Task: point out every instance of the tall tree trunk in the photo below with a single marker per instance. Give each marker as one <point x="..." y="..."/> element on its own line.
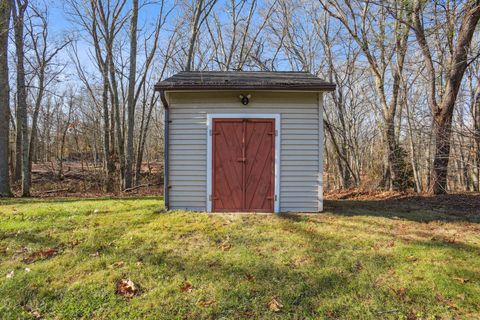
<point x="477" y="139"/>
<point x="64" y="137"/>
<point x="36" y="111"/>
<point x="143" y="138"/>
<point x="108" y="154"/>
<point x="4" y="100"/>
<point x="131" y="96"/>
<point x="18" y="18"/>
<point x="117" y="127"/>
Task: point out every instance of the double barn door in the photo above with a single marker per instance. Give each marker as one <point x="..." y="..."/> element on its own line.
<point x="243" y="165"/>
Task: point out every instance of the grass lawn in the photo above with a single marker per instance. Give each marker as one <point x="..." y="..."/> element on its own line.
<point x="63" y="258"/>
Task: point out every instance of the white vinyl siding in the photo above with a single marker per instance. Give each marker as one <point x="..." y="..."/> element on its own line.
<point x="300" y="158"/>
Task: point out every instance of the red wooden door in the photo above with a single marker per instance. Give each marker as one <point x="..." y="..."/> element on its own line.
<point x="243" y="164"/>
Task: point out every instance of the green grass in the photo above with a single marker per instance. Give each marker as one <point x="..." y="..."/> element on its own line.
<point x="344" y="264"/>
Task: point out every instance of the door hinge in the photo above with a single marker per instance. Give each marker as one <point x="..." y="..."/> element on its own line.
<point x="276" y="198"/>
<point x="276" y="133"/>
<point x="211" y="133"/>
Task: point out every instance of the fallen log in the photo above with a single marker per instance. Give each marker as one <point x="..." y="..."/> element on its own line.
<point x="53" y="191"/>
<point x="141" y="186"/>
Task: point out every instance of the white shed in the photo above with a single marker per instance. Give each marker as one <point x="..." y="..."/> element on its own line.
<point x="244" y="141"/>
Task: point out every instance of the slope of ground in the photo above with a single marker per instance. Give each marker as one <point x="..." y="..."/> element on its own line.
<point x="385" y="259"/>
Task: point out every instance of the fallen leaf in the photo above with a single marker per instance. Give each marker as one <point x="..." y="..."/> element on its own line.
<point x="250" y="277"/>
<point x="460" y="279"/>
<point x="96" y="211"/>
<point x="27" y="270"/>
<point x="74" y="243"/>
<point x="401" y="293"/>
<point x="412" y="258"/>
<point x="126" y="288"/>
<point x="330" y="314"/>
<point x="275" y="305"/>
<point x="225" y="246"/>
<point x="412" y="316"/>
<point x="36" y="314"/>
<point x="95" y="254"/>
<point x="358" y="266"/>
<point x="300" y="261"/>
<point x="10" y="274"/>
<point x="186" y="286"/>
<point x="206" y="303"/>
<point x="119" y="264"/>
<point x="40" y="255"/>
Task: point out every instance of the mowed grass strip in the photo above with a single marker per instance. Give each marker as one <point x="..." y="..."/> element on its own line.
<point x="63" y="259"/>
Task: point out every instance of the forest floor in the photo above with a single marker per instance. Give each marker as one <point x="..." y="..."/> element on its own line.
<point x="86" y="180"/>
<point x="125" y="258"/>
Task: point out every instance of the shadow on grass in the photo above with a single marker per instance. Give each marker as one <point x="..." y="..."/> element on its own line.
<point x="419" y="209"/>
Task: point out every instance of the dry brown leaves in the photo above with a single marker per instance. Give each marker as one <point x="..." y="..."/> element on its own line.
<point x="41" y="255"/>
<point x="36" y="314"/>
<point x="460" y="279"/>
<point x="250" y="277"/>
<point x="118" y="264"/>
<point x="275" y="305"/>
<point x="126" y="288"/>
<point x="411" y="258"/>
<point x="225" y="244"/>
<point x="186" y="286"/>
<point x="448" y="302"/>
<point x="383" y="244"/>
<point x="207" y="303"/>
<point x="401" y="293"/>
<point x="300" y="261"/>
<point x="411" y="316"/>
<point x="358" y="194"/>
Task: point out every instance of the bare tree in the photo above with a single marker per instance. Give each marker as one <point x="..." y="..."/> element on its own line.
<point x="4" y="100"/>
<point x="43" y="56"/>
<point x="201" y="11"/>
<point x="384" y="50"/>
<point x="18" y="8"/>
<point x="131" y="95"/>
<point x="457" y="63"/>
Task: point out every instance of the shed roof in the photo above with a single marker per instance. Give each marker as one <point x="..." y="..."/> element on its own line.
<point x="244" y="80"/>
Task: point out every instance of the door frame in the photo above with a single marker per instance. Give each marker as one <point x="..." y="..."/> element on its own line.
<point x="273" y="116"/>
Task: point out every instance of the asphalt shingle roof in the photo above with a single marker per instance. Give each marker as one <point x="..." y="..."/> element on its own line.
<point x="244" y="80"/>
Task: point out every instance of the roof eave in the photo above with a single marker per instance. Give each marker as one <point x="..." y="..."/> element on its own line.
<point x="162" y="87"/>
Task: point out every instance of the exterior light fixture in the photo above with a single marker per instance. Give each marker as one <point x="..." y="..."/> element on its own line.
<point x="245" y="98"/>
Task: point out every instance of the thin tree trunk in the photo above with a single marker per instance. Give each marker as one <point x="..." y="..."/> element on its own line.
<point x="143" y="138"/>
<point x="33" y="134"/>
<point x="194" y="34"/>
<point x="4" y="101"/>
<point x="131" y="96"/>
<point x="64" y="136"/>
<point x="22" y="124"/>
<point x="109" y="165"/>
<point x="477" y="139"/>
